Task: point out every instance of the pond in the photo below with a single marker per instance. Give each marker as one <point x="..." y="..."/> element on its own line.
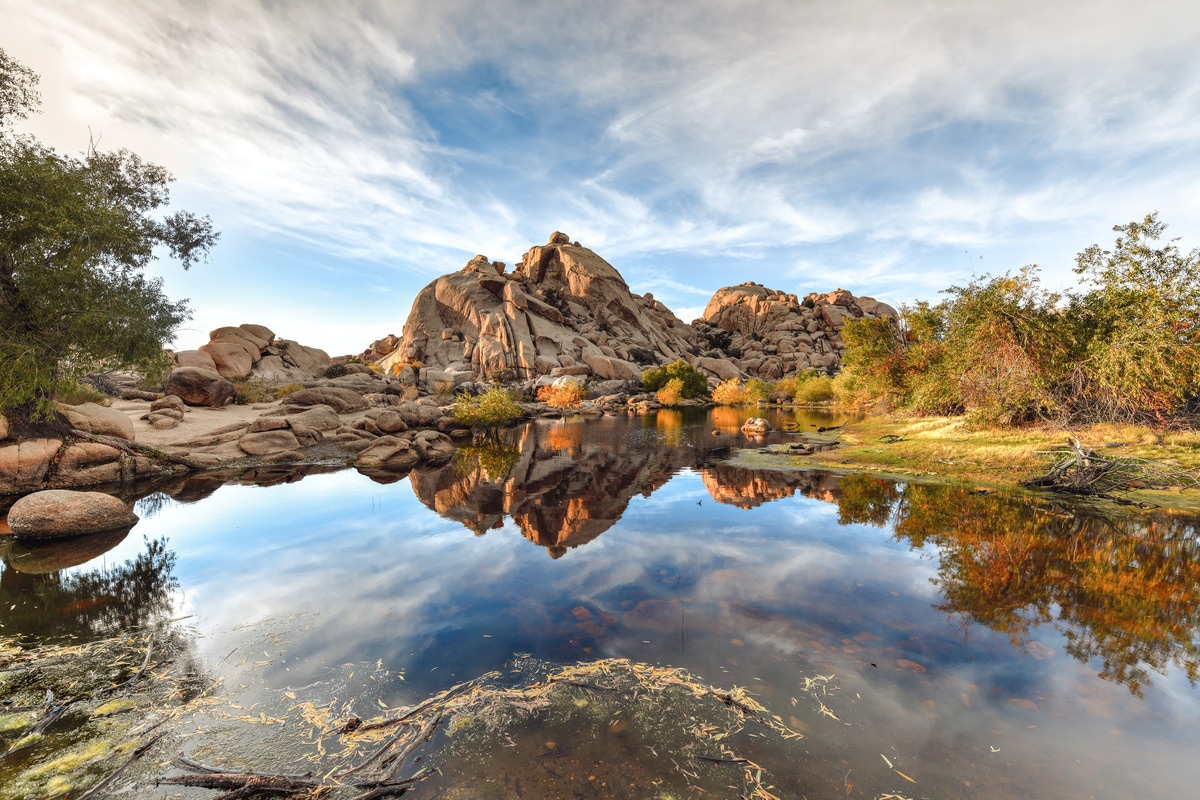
<point x="905" y="640"/>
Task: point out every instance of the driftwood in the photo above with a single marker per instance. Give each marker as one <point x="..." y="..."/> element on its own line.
<point x="1080" y="470"/>
<point x="135" y="449"/>
<point x="377" y="777"/>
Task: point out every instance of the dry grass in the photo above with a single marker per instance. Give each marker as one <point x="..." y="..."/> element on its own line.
<point x="947" y="447"/>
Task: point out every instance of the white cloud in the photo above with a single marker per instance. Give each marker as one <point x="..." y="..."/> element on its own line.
<point x="417" y="134"/>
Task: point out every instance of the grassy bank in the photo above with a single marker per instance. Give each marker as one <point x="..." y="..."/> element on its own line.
<point x="946" y="448"/>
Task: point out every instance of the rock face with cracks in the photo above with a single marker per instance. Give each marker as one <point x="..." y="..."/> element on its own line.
<point x="563" y="310"/>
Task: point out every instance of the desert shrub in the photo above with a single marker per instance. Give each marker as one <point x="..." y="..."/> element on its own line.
<point x="443" y="388"/>
<point x="815" y="390"/>
<point x="694" y="383"/>
<point x="568" y="394"/>
<point x="335" y="371"/>
<point x="288" y="388"/>
<point x="671" y="393"/>
<point x="729" y="393"/>
<point x="491" y="409"/>
<point x="642" y="355"/>
<point x="410" y="393"/>
<point x="247" y="391"/>
<point x="74" y="394"/>
<point x="756" y="389"/>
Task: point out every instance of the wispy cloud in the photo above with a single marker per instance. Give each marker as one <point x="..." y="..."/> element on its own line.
<point x="836" y="134"/>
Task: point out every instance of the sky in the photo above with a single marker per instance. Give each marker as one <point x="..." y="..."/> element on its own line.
<point x="351" y="152"/>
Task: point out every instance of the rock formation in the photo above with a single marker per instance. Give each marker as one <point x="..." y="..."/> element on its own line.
<point x="252" y="351"/>
<point x="563" y="311"/>
<point x="566" y="311"/>
<point x="770" y="334"/>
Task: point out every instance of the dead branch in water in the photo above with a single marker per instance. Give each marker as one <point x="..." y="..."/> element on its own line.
<point x="1080" y="470"/>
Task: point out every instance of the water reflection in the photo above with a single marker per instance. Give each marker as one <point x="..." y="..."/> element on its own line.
<point x="1124" y="590"/>
<point x="40" y="598"/>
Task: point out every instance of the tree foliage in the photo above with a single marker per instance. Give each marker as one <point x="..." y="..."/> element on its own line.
<point x="1124" y="347"/>
<point x="694" y="382"/>
<point x="76" y="235"/>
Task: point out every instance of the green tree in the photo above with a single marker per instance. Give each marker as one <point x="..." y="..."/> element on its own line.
<point x="76" y="234"/>
<point x="1138" y="327"/>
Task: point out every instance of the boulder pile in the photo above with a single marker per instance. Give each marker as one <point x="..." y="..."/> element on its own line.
<point x="770" y="334"/>
<point x="566" y="311"/>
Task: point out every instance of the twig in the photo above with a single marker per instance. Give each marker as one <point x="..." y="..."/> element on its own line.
<point x="138" y="675"/>
<point x="134" y="756"/>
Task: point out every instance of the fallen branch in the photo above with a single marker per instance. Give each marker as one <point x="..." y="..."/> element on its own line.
<point x="1080" y="470"/>
<point x="135" y="449"/>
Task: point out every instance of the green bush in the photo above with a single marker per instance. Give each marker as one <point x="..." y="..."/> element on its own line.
<point x="694" y="383"/>
<point x="493" y="409"/>
<point x="815" y="390"/>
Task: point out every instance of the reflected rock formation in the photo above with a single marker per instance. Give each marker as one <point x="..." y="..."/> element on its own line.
<point x="565" y="483"/>
<point x="750" y="488"/>
<point x="564" y="487"/>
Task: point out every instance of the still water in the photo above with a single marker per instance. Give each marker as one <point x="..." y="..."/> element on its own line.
<point x="929" y="641"/>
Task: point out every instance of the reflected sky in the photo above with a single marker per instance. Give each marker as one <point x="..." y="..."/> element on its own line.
<point x="359" y="572"/>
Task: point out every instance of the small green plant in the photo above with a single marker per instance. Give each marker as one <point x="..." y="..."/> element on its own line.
<point x="492" y="409"/>
<point x="756" y="389"/>
<point x="336" y="371"/>
<point x="73" y="394"/>
<point x="694" y="383"/>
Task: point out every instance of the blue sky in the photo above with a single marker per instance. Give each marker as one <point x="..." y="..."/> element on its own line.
<point x="352" y="152"/>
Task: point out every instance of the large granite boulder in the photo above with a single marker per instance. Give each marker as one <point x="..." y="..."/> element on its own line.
<point x="286" y="361"/>
<point x="56" y="513"/>
<point x="563" y="306"/>
<point x="199" y="387"/>
<point x="235" y="351"/>
<point x="97" y="419"/>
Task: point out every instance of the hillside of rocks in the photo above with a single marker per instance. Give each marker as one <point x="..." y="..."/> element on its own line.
<point x="771" y="334"/>
<point x="564" y="310"/>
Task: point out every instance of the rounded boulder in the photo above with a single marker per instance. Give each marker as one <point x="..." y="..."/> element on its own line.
<point x="57" y="513"/>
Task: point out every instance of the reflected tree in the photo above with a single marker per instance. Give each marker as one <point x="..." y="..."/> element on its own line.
<point x="90" y="603"/>
<point x="1124" y="591"/>
<point x="866" y="500"/>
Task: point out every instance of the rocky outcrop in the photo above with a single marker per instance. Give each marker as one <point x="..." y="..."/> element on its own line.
<point x="57" y="513"/>
<point x="252" y="351"/>
<point x="771" y="334"/>
<point x="566" y="311"/>
<point x="563" y="310"/>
